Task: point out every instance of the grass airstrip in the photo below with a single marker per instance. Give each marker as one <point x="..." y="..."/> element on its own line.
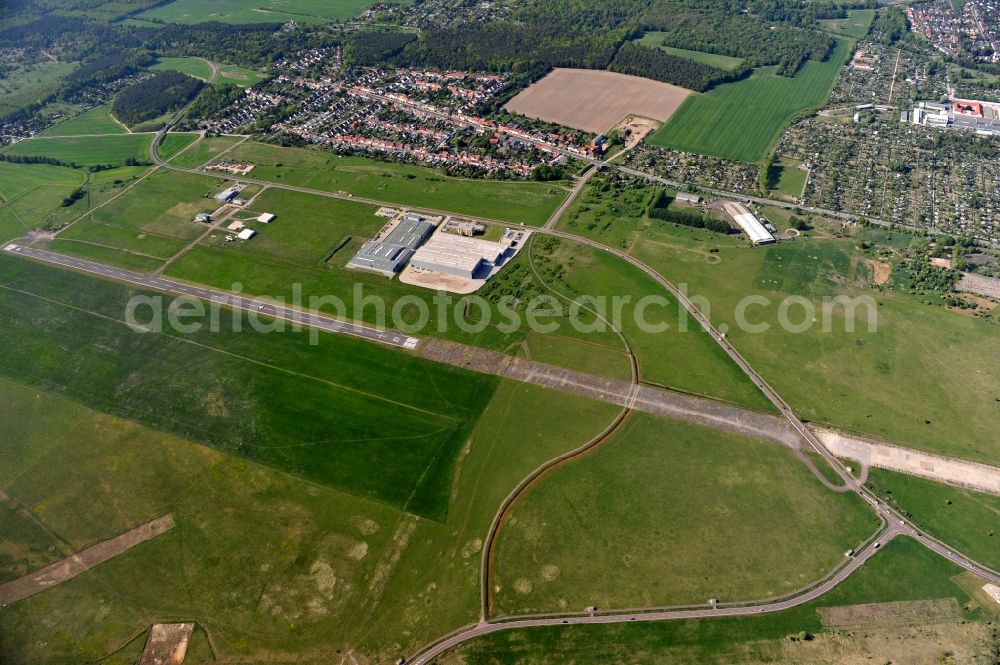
<point x="742" y="120"/>
<point x="322" y="412"/>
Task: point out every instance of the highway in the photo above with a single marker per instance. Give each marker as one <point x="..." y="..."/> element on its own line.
<point x="256" y="306"/>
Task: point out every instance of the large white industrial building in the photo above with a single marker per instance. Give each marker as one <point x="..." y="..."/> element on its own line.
<point x="458" y="255"/>
<point x="749" y="223"/>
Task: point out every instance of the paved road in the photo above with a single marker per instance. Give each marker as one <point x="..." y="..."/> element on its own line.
<point x="568" y="201"/>
<point x="253" y="305"/>
<point x="708" y="612"/>
<point x="897" y="524"/>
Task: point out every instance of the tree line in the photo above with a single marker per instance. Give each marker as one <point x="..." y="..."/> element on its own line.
<point x="653" y="63"/>
<point x="659" y="209"/>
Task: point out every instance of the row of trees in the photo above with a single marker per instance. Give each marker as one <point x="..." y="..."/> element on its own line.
<point x="659" y="209"/>
<point x="659" y="65"/>
<point x="152" y="97"/>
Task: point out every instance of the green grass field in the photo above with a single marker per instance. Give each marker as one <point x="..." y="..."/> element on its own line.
<point x="97" y="120"/>
<point x="307" y="227"/>
<point x="174" y="142"/>
<point x="612" y="217"/>
<point x="284" y="565"/>
<point x="154" y="218"/>
<point x="239" y="76"/>
<point x="926" y="377"/>
<point x="278" y="558"/>
<point x="656" y="40"/>
<point x="30" y="195"/>
<point x="196" y="67"/>
<point x="672" y="514"/>
<point x="966" y="520"/>
<point x="26" y="77"/>
<point x="205" y="150"/>
<point x="342" y="413"/>
<point x="517" y="202"/>
<point x="742" y="120"/>
<point x="686" y="360"/>
<point x="903" y="571"/>
<point x="791" y="178"/>
<point x="18" y="179"/>
<point x="856" y="24"/>
<point x="257" y="11"/>
<point x="86" y="151"/>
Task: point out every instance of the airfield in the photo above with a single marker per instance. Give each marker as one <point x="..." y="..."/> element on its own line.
<point x="443" y="494"/>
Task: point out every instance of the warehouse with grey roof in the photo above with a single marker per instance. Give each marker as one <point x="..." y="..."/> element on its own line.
<point x="389" y="251"/>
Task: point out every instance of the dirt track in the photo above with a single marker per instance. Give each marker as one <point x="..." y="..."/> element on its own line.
<point x="70" y="567"/>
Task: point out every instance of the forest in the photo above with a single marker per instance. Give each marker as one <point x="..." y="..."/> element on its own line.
<point x="151" y="98"/>
<point x="575" y="33"/>
<point x="661" y="66"/>
<point x="370" y="48"/>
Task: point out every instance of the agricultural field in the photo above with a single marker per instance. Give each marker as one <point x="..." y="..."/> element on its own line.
<point x="257" y="11"/>
<point x="595" y="100"/>
<point x="18" y="179"/>
<point x="529" y="203"/>
<point x="903" y="572"/>
<point x="856" y="25"/>
<point x="207" y="149"/>
<point x="888" y="383"/>
<point x="742" y="120"/>
<point x="657" y="39"/>
<point x="84" y="151"/>
<point x="31" y="193"/>
<point x="97" y="120"/>
<point x="969" y="521"/>
<point x="331" y="412"/>
<point x="196" y="67"/>
<point x="732" y="543"/>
